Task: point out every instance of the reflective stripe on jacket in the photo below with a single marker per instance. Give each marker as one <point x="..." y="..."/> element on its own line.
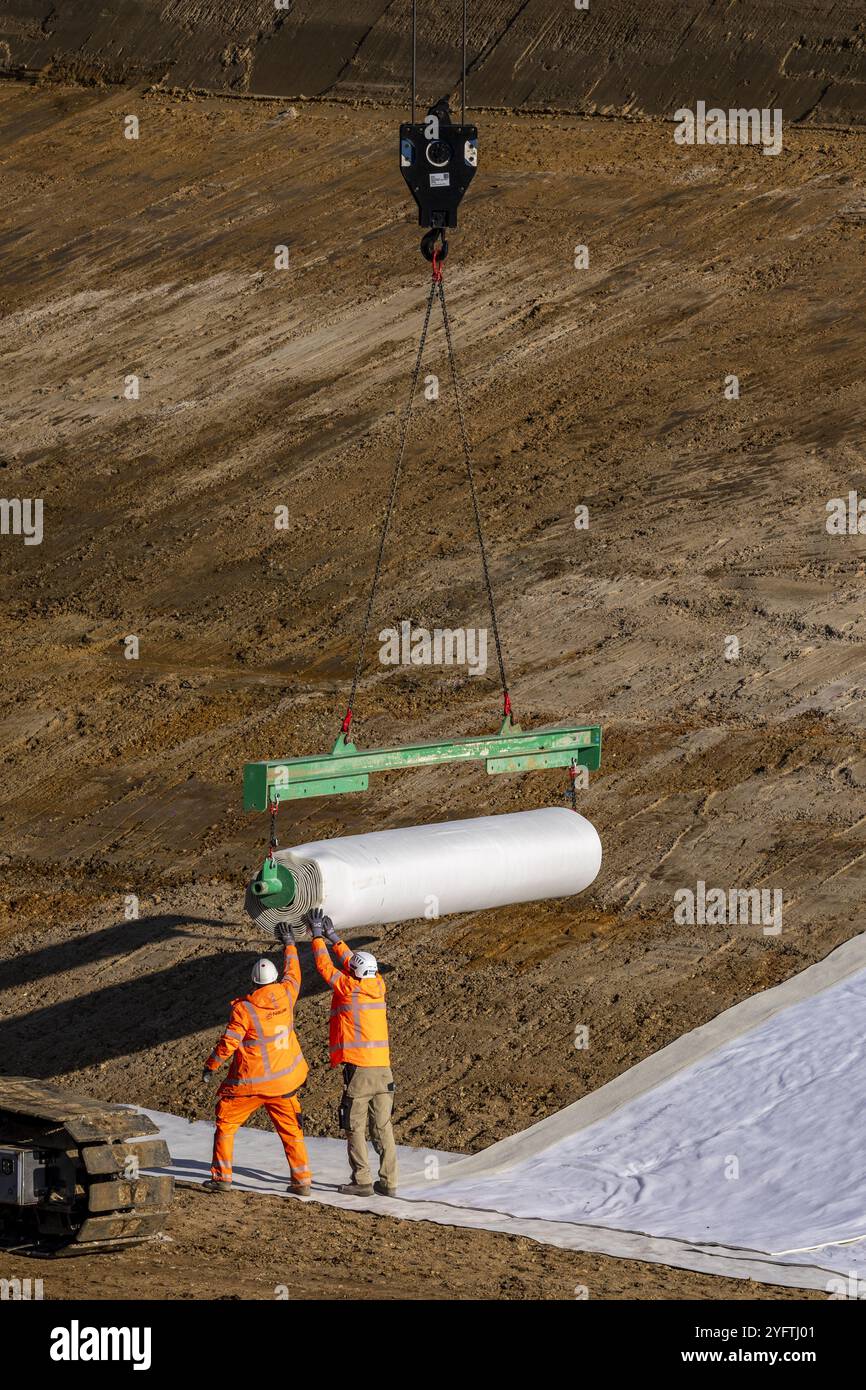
<point x="358" y="1030"/>
<point x="260" y="1039"/>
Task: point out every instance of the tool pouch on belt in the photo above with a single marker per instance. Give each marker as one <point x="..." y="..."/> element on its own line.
<point x="343" y="1112"/>
<point x="345" y="1105"/>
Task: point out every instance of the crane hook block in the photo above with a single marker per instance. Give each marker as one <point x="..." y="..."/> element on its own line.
<point x="438" y="160"/>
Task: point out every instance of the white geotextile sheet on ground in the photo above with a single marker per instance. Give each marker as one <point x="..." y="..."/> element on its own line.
<point x="259" y="1162"/>
<point x="773" y="1090"/>
<point x="761" y="1145"/>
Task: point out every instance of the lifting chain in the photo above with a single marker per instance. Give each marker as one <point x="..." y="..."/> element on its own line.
<point x="437" y="291"/>
<point x="273" y="843"/>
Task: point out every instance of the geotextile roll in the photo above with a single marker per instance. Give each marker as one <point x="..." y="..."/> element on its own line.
<point x="432" y="870"/>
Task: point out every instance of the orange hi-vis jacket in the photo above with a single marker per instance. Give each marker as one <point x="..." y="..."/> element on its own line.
<point x="359" y="1020"/>
<point x="260" y="1038"/>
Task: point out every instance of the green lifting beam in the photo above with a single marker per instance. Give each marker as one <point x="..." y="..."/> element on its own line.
<point x="347" y="768"/>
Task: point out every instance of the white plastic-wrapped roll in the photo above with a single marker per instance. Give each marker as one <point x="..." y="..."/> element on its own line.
<point x="432" y="870"/>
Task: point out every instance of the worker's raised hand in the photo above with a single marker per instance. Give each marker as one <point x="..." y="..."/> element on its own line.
<point x="284" y="933"/>
<point x="320" y="925"/>
<point x="316" y="923"/>
<point x="331" y="932"/>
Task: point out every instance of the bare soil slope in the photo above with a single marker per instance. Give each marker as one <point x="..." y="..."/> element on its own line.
<point x="263" y="388"/>
<point x="636" y="56"/>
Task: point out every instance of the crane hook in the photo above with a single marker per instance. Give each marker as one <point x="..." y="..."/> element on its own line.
<point x="428" y="245"/>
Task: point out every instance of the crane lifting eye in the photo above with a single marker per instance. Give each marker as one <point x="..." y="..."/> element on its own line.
<point x="438" y="157"/>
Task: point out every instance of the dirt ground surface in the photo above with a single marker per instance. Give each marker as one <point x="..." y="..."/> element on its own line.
<point x="303" y="1252"/>
<point x="263" y="388"/>
<point x="612" y="57"/>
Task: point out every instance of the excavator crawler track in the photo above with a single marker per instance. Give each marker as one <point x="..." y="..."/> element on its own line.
<point x="72" y="1177"/>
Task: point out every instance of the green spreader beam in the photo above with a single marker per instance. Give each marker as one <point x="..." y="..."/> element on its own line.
<point x="347" y="768"/>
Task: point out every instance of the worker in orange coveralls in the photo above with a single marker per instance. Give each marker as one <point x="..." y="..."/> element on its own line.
<point x="267" y="1068"/>
<point x="359" y="1043"/>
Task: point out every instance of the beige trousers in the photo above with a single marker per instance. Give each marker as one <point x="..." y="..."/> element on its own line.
<point x="368" y="1097"/>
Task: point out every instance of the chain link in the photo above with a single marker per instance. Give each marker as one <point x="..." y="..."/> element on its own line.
<point x="471" y="476"/>
<point x="407" y="416"/>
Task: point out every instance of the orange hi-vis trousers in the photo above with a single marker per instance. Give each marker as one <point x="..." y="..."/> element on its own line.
<point x="284" y="1113"/>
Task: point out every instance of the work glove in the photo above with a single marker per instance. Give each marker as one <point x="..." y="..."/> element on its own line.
<point x="210" y="1079"/>
<point x="284" y="933"/>
<point x="320" y="925"/>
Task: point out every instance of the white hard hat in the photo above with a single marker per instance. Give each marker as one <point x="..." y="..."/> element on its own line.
<point x="264" y="972"/>
<point x="363" y="965"/>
